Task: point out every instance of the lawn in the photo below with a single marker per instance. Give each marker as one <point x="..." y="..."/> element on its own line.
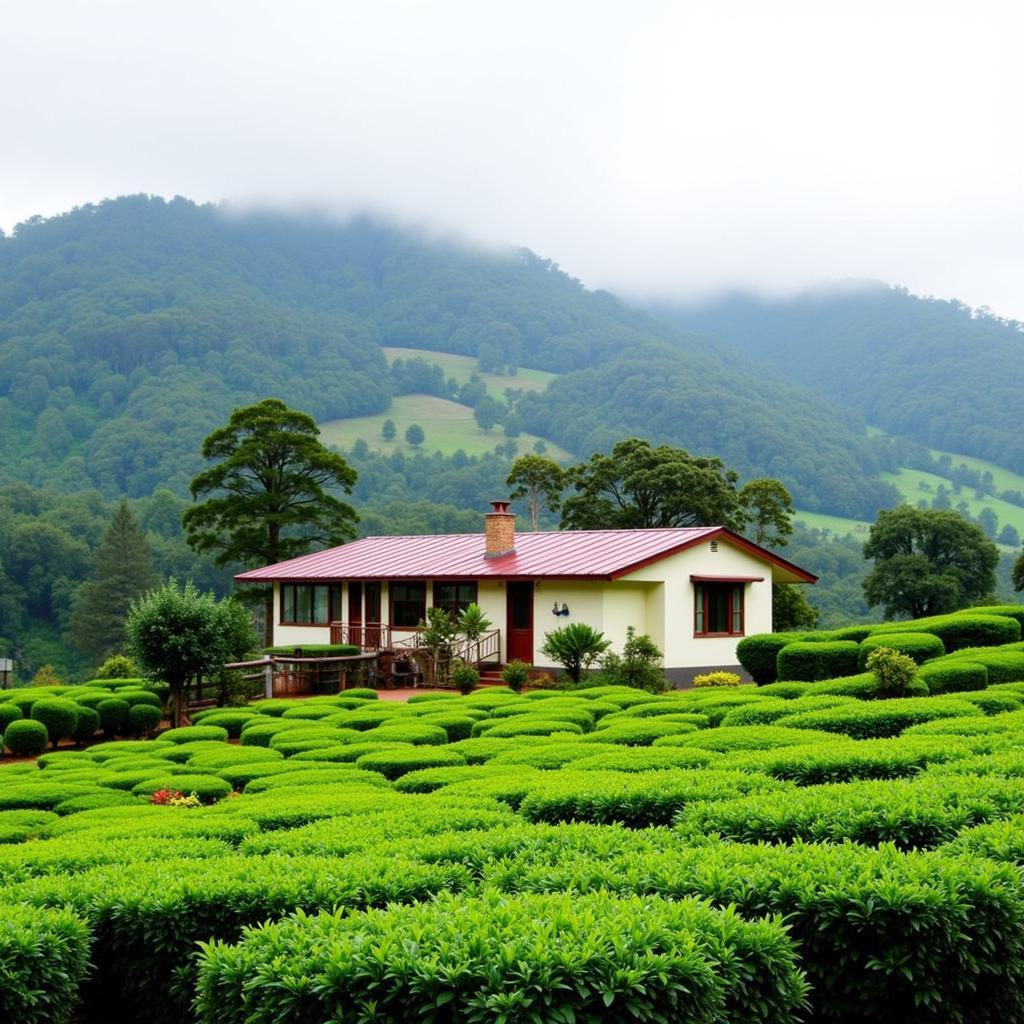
<point x="448" y="426"/>
<point x="837" y="525"/>
<point x="461" y="368"/>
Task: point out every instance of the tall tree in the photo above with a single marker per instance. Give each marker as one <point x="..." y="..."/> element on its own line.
<point x="122" y="570"/>
<point x="176" y="634"/>
<point x="269" y="491"/>
<point x="639" y="486"/>
<point x="540" y="481"/>
<point x="927" y="562"/>
<point x="769" y="509"/>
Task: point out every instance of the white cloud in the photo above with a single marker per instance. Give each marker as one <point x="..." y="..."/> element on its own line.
<point x="651" y="148"/>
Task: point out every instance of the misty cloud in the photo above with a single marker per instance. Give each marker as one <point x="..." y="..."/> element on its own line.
<point x="652" y="148"/>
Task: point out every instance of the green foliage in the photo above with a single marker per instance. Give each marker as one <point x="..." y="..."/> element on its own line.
<point x="927" y="562"/>
<point x="117" y="666"/>
<point x="639" y="665"/>
<point x="189" y="733"/>
<point x="176" y="634"/>
<point x="87" y="725"/>
<point x="575" y="647"/>
<point x="790" y="608"/>
<point x="515" y="675"/>
<point x="540" y="481"/>
<point x="113" y="714"/>
<point x="472" y="622"/>
<point x="143" y="719"/>
<point x="893" y="670"/>
<point x="769" y="511"/>
<point x="961" y="674"/>
<point x="464" y="677"/>
<point x="618" y="958"/>
<point x="26" y="737"/>
<point x="392" y="764"/>
<point x="758" y="654"/>
<point x="878" y="719"/>
<point x="716" y="679"/>
<point x="640" y="486"/>
<point x="919" y="646"/>
<point x="44" y="958"/>
<point x="59" y="715"/>
<point x="414" y="435"/>
<point x="822" y="660"/>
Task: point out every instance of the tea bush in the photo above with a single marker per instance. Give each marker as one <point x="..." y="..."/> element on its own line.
<point x="878" y="719"/>
<point x="394" y="763"/>
<point x="758" y="654"/>
<point x="919" y="646"/>
<point x="813" y="661"/>
<point x="26" y="737"/>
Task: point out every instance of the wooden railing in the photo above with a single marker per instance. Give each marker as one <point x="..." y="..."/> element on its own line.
<point x="486" y="648"/>
<point x="367" y="636"/>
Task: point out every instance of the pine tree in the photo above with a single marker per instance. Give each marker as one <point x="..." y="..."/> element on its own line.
<point x="122" y="570"/>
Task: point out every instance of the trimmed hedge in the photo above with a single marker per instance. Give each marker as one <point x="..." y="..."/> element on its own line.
<point x="758" y="654"/>
<point x="209" y="788"/>
<point x="919" y="646"/>
<point x="959" y="629"/>
<point x="878" y="719"/>
<point x="44" y="958"/>
<point x="393" y="764"/>
<point x="113" y="714"/>
<point x="955" y="674"/>
<point x="813" y="661"/>
<point x="191" y="733"/>
<point x="143" y="719"/>
<point x="59" y="715"/>
<point x="540" y="958"/>
<point x="26" y="737"/>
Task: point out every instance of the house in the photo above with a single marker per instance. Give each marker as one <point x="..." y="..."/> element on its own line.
<point x="694" y="590"/>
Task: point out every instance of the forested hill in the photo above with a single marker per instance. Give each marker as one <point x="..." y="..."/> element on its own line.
<point x="932" y="370"/>
<point x="129" y="329"/>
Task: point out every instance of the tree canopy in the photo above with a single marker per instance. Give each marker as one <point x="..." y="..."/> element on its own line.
<point x="270" y="490"/>
<point x="538" y="479"/>
<point x="770" y="511"/>
<point x="638" y="485"/>
<point x="927" y="562"/>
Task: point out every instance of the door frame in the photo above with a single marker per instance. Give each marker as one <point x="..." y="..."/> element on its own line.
<point x="523" y="637"/>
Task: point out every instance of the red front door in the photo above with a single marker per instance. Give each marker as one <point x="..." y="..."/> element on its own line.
<point x="519" y="627"/>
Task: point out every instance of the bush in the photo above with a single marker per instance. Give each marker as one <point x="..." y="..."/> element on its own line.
<point x="143" y="719"/>
<point x="209" y="788"/>
<point x="9" y="712"/>
<point x="787" y="691"/>
<point x="758" y="654"/>
<point x="919" y="646"/>
<point x="87" y="726"/>
<point x="863" y="686"/>
<point x="26" y="737"/>
<point x="812" y="661"/>
<point x="878" y="719"/>
<point x="140" y="697"/>
<point x="639" y="666"/>
<point x="464" y="677"/>
<point x="191" y="733"/>
<point x="458" y="727"/>
<point x="392" y="764"/>
<point x="418" y="732"/>
<point x="750" y="737"/>
<point x="617" y="958"/>
<point x="945" y="676"/>
<point x="530" y="725"/>
<point x="894" y="671"/>
<point x="575" y="647"/>
<point x="515" y="674"/>
<point x="717" y="679"/>
<point x="44" y="958"/>
<point x="59" y="715"/>
<point x="960" y="629"/>
<point x="113" y="714"/>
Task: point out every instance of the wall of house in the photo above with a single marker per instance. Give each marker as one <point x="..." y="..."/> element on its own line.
<point x="682" y="649"/>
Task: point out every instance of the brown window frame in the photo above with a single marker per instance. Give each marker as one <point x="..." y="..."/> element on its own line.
<point x="454" y="607"/>
<point x="332" y="612"/>
<point x="701" y="608"/>
<point x="393" y="603"/>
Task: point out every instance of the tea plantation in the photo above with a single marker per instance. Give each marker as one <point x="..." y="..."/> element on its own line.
<point x="804" y="850"/>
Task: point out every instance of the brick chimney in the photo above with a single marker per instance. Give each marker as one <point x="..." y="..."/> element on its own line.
<point x="499" y="530"/>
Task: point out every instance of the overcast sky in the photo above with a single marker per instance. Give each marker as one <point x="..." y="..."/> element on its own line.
<point x="649" y="148"/>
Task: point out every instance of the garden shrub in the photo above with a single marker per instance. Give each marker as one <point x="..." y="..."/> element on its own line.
<point x="113" y="714"/>
<point x="345" y="752"/>
<point x="126" y="748"/>
<point x="658" y="709"/>
<point x="136" y="697"/>
<point x="457" y="727"/>
<point x="258" y="734"/>
<point x="59" y="715"/>
<point x="1013" y="611"/>
<point x="771" y="709"/>
<point x="959" y="629"/>
<point x="813" y="661"/>
<point x="17" y="826"/>
<point x="638" y="759"/>
<point x="9" y="712"/>
<point x="213" y="760"/>
<point x="329" y="775"/>
<point x="884" y="936"/>
<point x="289" y="744"/>
<point x="989" y="702"/>
<point x="787" y="690"/>
<point x="418" y="732"/>
<point x="515" y="675"/>
<point x="241" y="774"/>
<point x="1003" y="664"/>
<point x="894" y="671"/>
<point x="878" y="719"/>
<point x="554" y="753"/>
<point x="44" y="958"/>
<point x="480" y="749"/>
<point x="944" y="676"/>
<point x="394" y="763"/>
<point x="107" y="798"/>
<point x="181" y="752"/>
<point x="617" y="958"/>
<point x="640" y="732"/>
<point x="752" y="737"/>
<point x="26" y="737"/>
<point x="465" y="678"/>
<point x="143" y="719"/>
<point x="362" y="692"/>
<point x="529" y="725"/>
<point x="758" y="654"/>
<point x="637" y="800"/>
<point x="717" y="679"/>
<point x="919" y="646"/>
<point x="190" y="733"/>
<point x="310" y="711"/>
<point x="863" y="686"/>
<point x="87" y="725"/>
<point x="429" y="780"/>
<point x="916" y="813"/>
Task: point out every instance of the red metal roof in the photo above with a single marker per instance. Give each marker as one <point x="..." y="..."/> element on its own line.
<point x="573" y="554"/>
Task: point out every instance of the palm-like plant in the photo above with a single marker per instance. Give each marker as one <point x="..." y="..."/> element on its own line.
<point x="575" y="647"/>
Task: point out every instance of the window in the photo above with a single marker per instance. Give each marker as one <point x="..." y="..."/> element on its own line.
<point x="718" y="609"/>
<point x="408" y="604"/>
<point x="306" y="604"/>
<point x="454" y="597"/>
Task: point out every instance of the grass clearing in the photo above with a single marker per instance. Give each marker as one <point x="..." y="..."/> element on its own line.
<point x="461" y="368"/>
<point x="447" y="425"/>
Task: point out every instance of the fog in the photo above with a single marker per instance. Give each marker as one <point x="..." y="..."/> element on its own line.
<point x="655" y="149"/>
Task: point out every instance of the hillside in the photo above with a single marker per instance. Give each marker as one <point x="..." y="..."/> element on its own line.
<point x="129" y="329"/>
<point x="935" y="371"/>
